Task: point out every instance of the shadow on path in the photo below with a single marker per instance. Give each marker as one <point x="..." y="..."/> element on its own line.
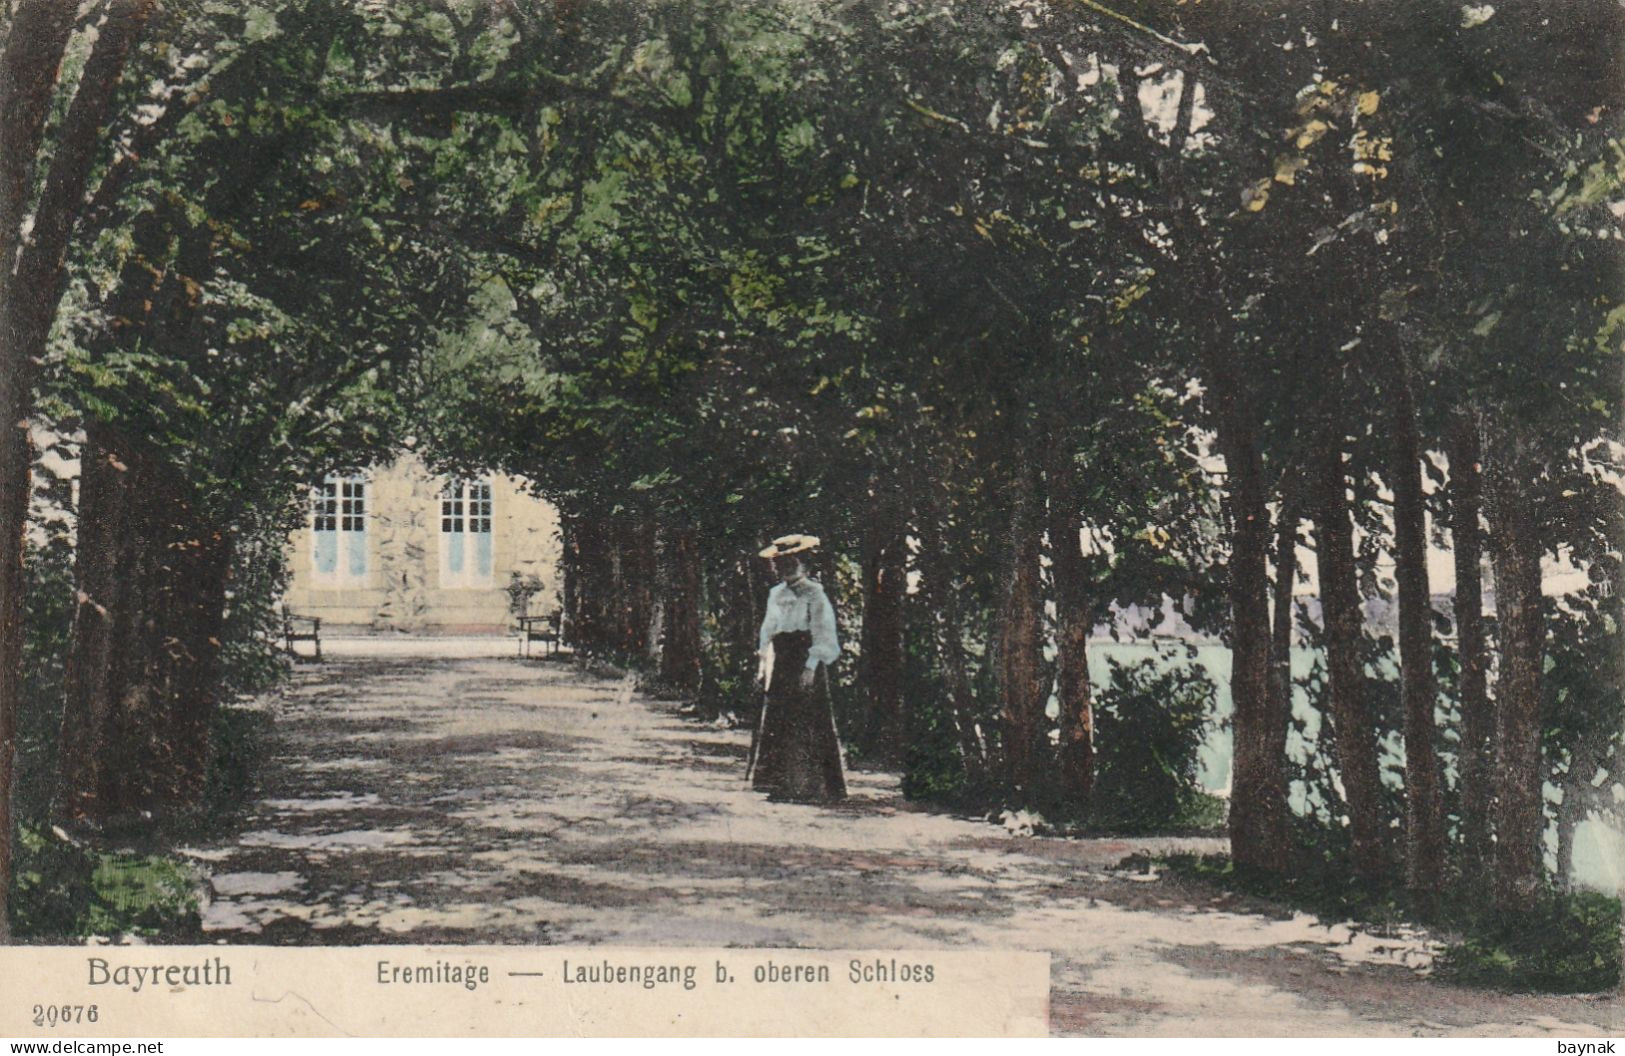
<point x="490" y="800"/>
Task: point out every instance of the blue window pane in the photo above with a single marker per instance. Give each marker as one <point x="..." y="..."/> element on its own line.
<point x="482" y="553"/>
<point x="454" y="553"/>
<point x="327" y="552"/>
<point x="358" y="553"/>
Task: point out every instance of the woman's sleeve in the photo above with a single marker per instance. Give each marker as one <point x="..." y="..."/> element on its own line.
<point x="765" y="637"/>
<point x="826" y="648"/>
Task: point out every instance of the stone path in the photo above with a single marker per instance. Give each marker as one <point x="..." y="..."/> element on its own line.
<point x="489" y="800"/>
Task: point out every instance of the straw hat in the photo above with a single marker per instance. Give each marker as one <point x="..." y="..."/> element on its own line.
<point x="790" y="544"/>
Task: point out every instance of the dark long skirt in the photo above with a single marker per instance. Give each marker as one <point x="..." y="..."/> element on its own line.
<point x="797" y="755"/>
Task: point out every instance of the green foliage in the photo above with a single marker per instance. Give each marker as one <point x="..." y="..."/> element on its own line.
<point x="238" y="741"/>
<point x="1333" y="897"/>
<point x="251" y="655"/>
<point x="1202" y="812"/>
<point x="1320" y="834"/>
<point x="1566" y="943"/>
<point x="66" y="891"/>
<point x="728" y="672"/>
<point x="147" y="895"/>
<point x="1583" y="720"/>
<point x="933" y="769"/>
<point x="51" y="890"/>
<point x="63" y="889"/>
<point x="48" y="620"/>
<point x="1150" y="720"/>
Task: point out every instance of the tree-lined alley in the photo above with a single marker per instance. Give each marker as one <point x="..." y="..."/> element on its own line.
<point x="1036" y="312"/>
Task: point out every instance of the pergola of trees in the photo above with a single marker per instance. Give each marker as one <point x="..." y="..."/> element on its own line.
<point x="1036" y="309"/>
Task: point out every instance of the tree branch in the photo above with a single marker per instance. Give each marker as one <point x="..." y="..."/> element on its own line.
<point x="29" y="68"/>
<point x="1184" y="55"/>
<point x="59" y="206"/>
<point x="143" y="140"/>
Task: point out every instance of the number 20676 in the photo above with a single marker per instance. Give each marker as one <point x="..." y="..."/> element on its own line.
<point x="53" y="1015"/>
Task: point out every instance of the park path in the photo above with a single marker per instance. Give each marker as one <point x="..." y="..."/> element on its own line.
<point x="491" y="800"/>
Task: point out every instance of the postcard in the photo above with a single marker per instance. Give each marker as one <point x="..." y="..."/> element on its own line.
<point x="811" y="518"/>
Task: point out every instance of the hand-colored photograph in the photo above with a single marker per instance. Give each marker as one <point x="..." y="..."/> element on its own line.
<point x="1140" y="482"/>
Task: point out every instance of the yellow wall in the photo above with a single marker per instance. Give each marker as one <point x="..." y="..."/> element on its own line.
<point x="402" y="589"/>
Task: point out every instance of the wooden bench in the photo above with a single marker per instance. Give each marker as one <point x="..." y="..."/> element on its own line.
<point x="293" y="631"/>
<point x="544" y="629"/>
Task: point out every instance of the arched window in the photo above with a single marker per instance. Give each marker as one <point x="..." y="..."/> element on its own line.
<point x="339" y="525"/>
<point x="465" y="534"/>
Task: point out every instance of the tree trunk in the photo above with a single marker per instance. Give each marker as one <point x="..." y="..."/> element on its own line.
<point x="37" y="35"/>
<point x="31" y="278"/>
<point x="1020" y="647"/>
<point x="1519" y="776"/>
<point x="1345" y="673"/>
<point x="1477" y="752"/>
<point x="1570" y="813"/>
<point x="742" y="618"/>
<point x="598" y="583"/>
<point x="1258" y="805"/>
<point x="645" y="566"/>
<point x="570" y="572"/>
<point x="617" y="610"/>
<point x="104" y="574"/>
<point x="885" y="584"/>
<point x="16" y="457"/>
<point x="192" y="661"/>
<point x="948" y="633"/>
<point x="680" y="652"/>
<point x="1424" y="798"/>
<point x="1074" y="620"/>
<point x="655" y="623"/>
<point x="631" y="592"/>
<point x="590" y="584"/>
<point x="143" y="669"/>
<point x="1618" y="525"/>
<point x="1284" y="616"/>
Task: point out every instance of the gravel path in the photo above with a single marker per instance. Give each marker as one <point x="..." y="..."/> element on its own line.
<point x="489" y="800"/>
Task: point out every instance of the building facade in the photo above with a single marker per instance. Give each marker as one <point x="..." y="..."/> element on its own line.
<point x="397" y="549"/>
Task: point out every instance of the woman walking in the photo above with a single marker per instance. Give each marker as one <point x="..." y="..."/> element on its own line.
<point x="797" y="756"/>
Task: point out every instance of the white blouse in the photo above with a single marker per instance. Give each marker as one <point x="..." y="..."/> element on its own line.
<point x="803" y="607"/>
